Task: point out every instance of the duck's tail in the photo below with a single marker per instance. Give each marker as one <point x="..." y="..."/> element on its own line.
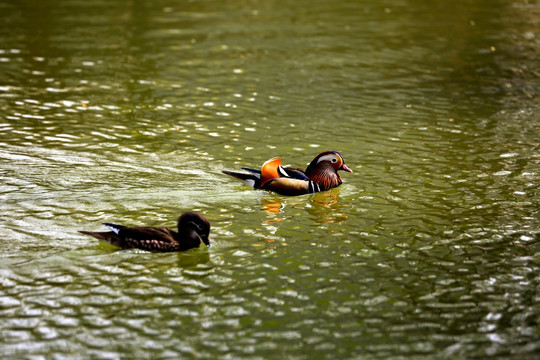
<point x="253" y="179"/>
<point x="108" y="237"/>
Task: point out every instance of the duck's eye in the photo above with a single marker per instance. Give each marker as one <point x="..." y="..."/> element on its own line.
<point x="334" y="160"/>
<point x="196" y="226"/>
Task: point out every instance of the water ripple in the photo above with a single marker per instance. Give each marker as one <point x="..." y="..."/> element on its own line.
<point x="428" y="249"/>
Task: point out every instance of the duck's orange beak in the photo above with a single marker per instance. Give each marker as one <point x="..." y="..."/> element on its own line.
<point x="346" y="168"/>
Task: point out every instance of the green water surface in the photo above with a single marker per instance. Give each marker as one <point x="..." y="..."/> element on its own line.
<point x="127" y="111"/>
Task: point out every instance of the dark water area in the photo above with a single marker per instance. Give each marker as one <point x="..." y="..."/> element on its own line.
<point x="127" y="111"/>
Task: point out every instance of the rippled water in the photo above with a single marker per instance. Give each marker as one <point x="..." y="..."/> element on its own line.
<point x="127" y="111"/>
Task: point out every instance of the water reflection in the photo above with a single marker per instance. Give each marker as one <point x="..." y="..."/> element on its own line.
<point x="324" y="207"/>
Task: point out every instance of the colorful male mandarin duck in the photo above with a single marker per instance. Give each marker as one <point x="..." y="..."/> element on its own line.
<point x="320" y="175"/>
<point x="193" y="229"/>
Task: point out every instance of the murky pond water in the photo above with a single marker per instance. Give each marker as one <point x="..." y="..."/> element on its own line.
<point x="127" y="111"/>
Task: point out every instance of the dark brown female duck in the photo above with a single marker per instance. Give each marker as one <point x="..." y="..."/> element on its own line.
<point x="320" y="175"/>
<point x="193" y="229"/>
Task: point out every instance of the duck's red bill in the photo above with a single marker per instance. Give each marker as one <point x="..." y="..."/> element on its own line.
<point x="346" y="168"/>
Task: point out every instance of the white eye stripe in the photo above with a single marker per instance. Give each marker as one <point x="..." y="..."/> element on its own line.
<point x="196" y="226"/>
<point x="329" y="157"/>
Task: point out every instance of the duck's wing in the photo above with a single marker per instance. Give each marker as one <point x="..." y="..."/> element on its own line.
<point x="158" y="233"/>
<point x="276" y="178"/>
<point x="146" y="237"/>
<point x="159" y="239"/>
<point x="294" y="173"/>
<point x="270" y="171"/>
<point x="115" y="227"/>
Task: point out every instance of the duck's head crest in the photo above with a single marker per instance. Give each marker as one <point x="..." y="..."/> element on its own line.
<point x="333" y="158"/>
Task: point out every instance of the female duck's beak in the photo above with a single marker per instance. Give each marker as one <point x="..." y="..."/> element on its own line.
<point x="204" y="240"/>
<point x="345" y="167"/>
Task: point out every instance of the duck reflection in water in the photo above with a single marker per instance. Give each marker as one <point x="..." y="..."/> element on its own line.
<point x="325" y="208"/>
<point x="322" y="206"/>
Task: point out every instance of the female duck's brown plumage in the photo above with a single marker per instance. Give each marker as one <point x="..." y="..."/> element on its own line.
<point x="320" y="175"/>
<point x="193" y="229"/>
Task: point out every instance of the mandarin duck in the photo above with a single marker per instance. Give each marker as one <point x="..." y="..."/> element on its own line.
<point x="320" y="175"/>
<point x="193" y="229"/>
